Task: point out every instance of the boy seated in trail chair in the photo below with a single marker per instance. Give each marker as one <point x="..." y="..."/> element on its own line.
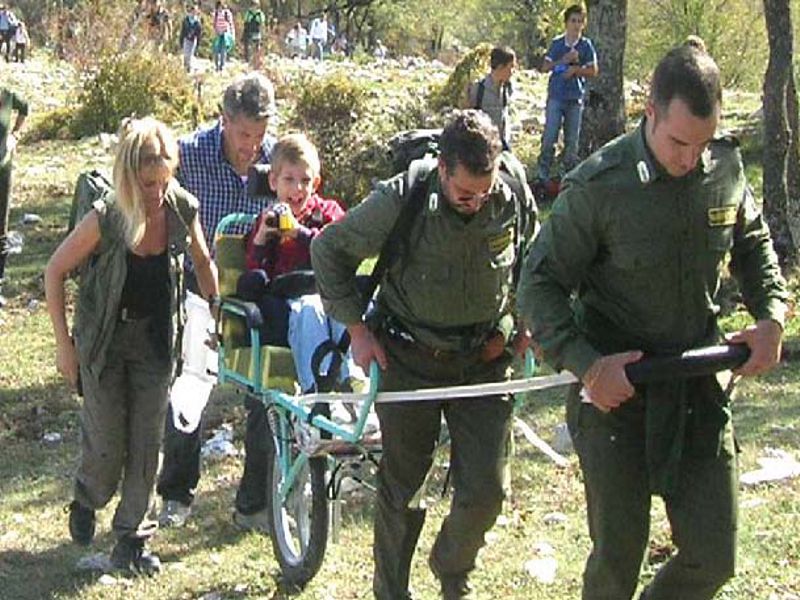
<point x="279" y="280"/>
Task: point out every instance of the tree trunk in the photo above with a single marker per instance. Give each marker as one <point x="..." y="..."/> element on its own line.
<point x="780" y="158"/>
<point x="604" y="114"/>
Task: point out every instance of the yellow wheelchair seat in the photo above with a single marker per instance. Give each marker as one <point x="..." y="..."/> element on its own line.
<point x="243" y="359"/>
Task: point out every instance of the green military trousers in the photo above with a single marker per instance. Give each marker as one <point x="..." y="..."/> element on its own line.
<point x="122" y="423"/>
<point x="479" y="431"/>
<point x="701" y="508"/>
<point x="5" y="208"/>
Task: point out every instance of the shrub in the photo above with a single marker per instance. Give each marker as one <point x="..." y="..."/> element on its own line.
<point x="133" y="84"/>
<point x="335" y="101"/>
<point x="328" y="110"/>
<point x="55" y="124"/>
<point x="475" y="64"/>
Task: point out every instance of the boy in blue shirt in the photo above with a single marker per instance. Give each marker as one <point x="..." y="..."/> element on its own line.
<point x="570" y="60"/>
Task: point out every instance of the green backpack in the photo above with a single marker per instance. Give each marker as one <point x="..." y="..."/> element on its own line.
<point x="91" y="186"/>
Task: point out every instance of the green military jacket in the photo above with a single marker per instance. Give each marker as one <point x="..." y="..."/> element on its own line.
<point x="456" y="274"/>
<point x="103" y="277"/>
<point x="9" y="102"/>
<point x="631" y="258"/>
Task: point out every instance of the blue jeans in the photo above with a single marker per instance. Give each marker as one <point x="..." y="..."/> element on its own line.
<point x="220" y="52"/>
<point x="298" y="322"/>
<point x="308" y="328"/>
<point x="557" y="111"/>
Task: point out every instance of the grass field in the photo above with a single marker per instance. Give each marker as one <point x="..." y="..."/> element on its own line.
<point x="212" y="560"/>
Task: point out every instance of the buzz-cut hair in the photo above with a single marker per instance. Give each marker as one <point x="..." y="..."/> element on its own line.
<point x="689" y="73"/>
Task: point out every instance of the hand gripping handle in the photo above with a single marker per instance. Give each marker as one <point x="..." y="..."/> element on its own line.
<point x="692" y="363"/>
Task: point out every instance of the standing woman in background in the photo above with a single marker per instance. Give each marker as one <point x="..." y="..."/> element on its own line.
<point x="127" y="330"/>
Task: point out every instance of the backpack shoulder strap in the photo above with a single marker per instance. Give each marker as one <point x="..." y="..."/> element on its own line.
<point x="513" y="174"/>
<point x="481" y="91"/>
<point x="413" y="200"/>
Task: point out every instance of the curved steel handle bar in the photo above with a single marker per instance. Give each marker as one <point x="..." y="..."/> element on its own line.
<point x="692" y="363"/>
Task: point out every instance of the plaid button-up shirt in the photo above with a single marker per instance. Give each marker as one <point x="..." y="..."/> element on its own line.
<point x="205" y="172"/>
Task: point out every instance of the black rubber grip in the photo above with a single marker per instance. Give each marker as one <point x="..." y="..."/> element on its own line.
<point x="692" y="363"/>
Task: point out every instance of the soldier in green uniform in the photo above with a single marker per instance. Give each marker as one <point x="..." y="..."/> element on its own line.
<point x="628" y="263"/>
<point x="443" y="317"/>
<point x="9" y="104"/>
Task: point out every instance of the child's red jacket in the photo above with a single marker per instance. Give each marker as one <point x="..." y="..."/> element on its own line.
<point x="282" y="256"/>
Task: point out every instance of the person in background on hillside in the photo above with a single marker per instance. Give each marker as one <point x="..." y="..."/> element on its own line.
<point x="224" y="32"/>
<point x="22" y="41"/>
<point x="159" y="25"/>
<point x="629" y="263"/>
<point x="8" y="26"/>
<point x="570" y="60"/>
<point x="443" y="317"/>
<point x="9" y="104"/>
<point x="340" y="46"/>
<point x="493" y="93"/>
<point x="191" y="30"/>
<point x="254" y="20"/>
<point x="215" y="164"/>
<point x="297" y="40"/>
<point x="380" y="51"/>
<point x="319" y="32"/>
<point x="122" y="353"/>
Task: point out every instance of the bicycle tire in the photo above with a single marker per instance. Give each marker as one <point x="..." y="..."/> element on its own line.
<point x="299" y="525"/>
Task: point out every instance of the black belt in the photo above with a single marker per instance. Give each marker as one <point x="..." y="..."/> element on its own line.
<point x="472" y="345"/>
<point x="130" y="315"/>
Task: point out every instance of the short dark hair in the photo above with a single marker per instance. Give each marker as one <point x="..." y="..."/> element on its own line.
<point x="501" y="56"/>
<point x="251" y="95"/>
<point x="573" y="9"/>
<point x="688" y="73"/>
<point x="472" y="140"/>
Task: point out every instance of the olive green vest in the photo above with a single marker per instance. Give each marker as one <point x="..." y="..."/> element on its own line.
<point x="103" y="277"/>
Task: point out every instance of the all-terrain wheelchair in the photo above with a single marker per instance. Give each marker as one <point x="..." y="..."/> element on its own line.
<point x="313" y="452"/>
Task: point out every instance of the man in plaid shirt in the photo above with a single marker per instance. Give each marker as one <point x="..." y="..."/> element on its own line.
<point x="214" y="164"/>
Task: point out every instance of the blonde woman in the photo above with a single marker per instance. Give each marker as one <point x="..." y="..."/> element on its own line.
<point x="126" y="333"/>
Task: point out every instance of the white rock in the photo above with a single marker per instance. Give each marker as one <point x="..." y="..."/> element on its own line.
<point x="15" y="241"/>
<point x="555" y="518"/>
<point x="30" y="219"/>
<point x="777" y="465"/>
<point x="543" y="549"/>
<point x="562" y="442"/>
<point x="52" y="438"/>
<point x="107" y="579"/>
<point x="542" y="570"/>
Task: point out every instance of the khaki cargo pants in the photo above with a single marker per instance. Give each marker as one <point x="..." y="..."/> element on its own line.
<point x="122" y="423"/>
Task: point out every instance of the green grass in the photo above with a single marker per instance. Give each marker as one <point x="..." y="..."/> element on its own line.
<point x="212" y="559"/>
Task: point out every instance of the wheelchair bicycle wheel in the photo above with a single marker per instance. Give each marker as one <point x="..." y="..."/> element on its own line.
<point x="299" y="521"/>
